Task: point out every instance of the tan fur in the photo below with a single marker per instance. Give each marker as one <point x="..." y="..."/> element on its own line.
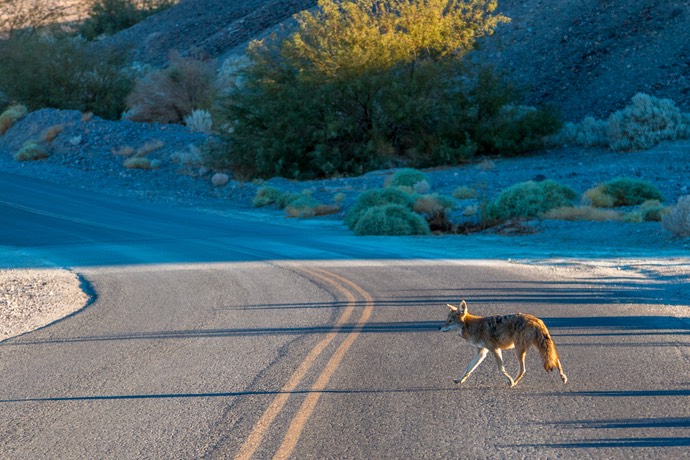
<point x="496" y="333"/>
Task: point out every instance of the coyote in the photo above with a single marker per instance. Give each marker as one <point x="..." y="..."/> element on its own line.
<point x="496" y="333"/>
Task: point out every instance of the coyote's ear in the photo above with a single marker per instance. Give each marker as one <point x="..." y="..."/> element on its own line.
<point x="463" y="308"/>
<point x="452" y="308"/>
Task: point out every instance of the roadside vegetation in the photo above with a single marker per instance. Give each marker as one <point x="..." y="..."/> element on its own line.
<point x="360" y="85"/>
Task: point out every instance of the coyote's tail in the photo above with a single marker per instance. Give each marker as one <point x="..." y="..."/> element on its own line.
<point x="548" y="352"/>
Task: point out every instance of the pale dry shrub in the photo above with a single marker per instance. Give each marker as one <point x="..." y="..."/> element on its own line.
<point x="10" y="116"/>
<point x="677" y="219"/>
<point x="644" y="123"/>
<point x="590" y="132"/>
<point x="199" y="121"/>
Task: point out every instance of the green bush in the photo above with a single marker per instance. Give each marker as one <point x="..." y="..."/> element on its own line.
<point x="368" y="84"/>
<point x="407" y="177"/>
<point x="623" y="191"/>
<point x="374" y="198"/>
<point x="391" y="219"/>
<point x="63" y="73"/>
<point x="106" y="17"/>
<point x="530" y="199"/>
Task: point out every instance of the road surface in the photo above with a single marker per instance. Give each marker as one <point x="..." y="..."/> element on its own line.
<point x="217" y="337"/>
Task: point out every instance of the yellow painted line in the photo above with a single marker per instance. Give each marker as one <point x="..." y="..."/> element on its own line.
<point x="305" y="411"/>
<point x="253" y="441"/>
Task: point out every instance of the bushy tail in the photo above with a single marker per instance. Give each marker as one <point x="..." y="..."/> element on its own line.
<point x="548" y="352"/>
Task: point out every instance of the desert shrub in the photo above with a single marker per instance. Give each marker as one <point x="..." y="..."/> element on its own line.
<point x="366" y="84"/>
<point x="373" y="198"/>
<point x="408" y="177"/>
<point x="435" y="209"/>
<point x="590" y="132"/>
<point x="530" y="199"/>
<point x="61" y="72"/>
<point x="106" y="17"/>
<point x="677" y="219"/>
<point x="509" y="129"/>
<point x="266" y="196"/>
<point x="199" y="121"/>
<point x="175" y="92"/>
<point x="649" y="211"/>
<point x="464" y="193"/>
<point x="391" y="219"/>
<point x="582" y="213"/>
<point x="10" y="116"/>
<point x="644" y="123"/>
<point x="623" y="191"/>
<point x="31" y="151"/>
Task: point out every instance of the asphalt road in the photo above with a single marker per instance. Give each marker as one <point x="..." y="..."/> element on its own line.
<point x="218" y="337"/>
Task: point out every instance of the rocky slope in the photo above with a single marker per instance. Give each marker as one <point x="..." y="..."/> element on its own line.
<point x="586" y="57"/>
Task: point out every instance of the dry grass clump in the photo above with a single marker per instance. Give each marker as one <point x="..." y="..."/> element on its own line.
<point x="49" y="134"/>
<point x="137" y="162"/>
<point x="31" y="151"/>
<point x="583" y="213"/>
<point x="10" y="116"/>
<point x="677" y="219"/>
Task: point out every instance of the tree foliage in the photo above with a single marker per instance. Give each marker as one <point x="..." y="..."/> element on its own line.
<point x="364" y="84"/>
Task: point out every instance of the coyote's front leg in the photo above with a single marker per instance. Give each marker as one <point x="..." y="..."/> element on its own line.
<point x="478" y="358"/>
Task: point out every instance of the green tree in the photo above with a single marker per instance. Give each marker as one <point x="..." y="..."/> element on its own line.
<point x="361" y="84"/>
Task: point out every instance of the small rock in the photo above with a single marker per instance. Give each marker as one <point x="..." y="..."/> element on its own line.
<point x="219" y="179"/>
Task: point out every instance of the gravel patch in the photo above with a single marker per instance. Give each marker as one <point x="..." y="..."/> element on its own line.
<point x="30" y="299"/>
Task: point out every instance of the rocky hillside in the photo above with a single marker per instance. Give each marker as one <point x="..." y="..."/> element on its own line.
<point x="583" y="56"/>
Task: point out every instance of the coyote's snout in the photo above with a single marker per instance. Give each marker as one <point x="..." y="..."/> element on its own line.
<point x="496" y="333"/>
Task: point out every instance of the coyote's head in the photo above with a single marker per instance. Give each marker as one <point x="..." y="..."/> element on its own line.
<point x="455" y="318"/>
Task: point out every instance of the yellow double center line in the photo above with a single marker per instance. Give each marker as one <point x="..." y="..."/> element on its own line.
<point x="300" y="419"/>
